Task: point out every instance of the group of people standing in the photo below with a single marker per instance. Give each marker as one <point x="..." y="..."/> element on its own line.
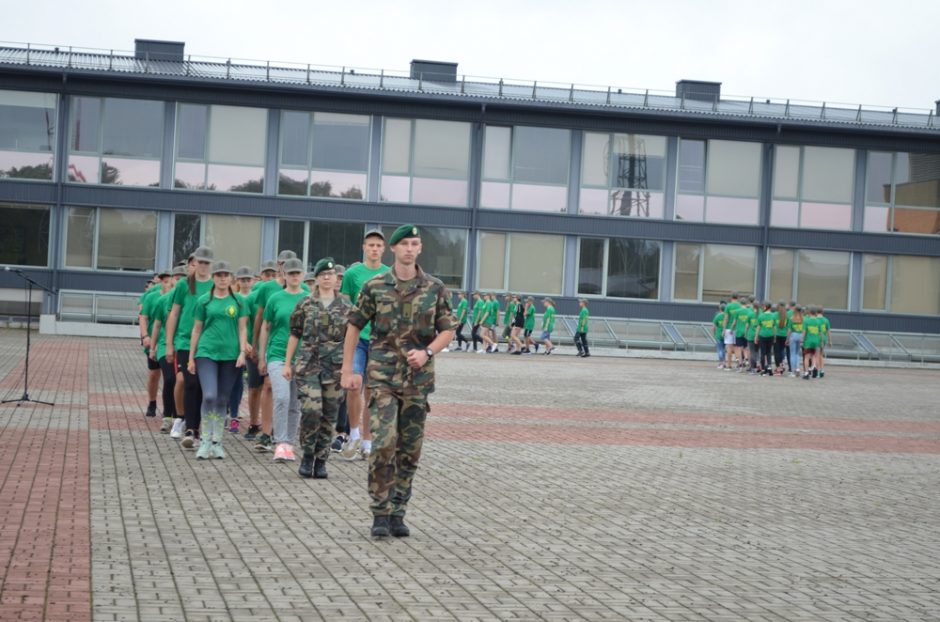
<point x="305" y="346"/>
<point x="771" y="339"/>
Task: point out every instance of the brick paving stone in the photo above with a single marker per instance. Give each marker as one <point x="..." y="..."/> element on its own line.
<point x="550" y="488"/>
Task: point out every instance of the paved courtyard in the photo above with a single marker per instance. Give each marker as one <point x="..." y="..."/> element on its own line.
<point x="550" y="488"/>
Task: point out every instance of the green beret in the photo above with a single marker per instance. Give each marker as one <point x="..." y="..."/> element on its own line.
<point x="323" y="265"/>
<point x="404" y="231"/>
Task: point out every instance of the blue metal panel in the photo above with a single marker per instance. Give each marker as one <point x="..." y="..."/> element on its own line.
<point x="164" y="240"/>
<point x="269" y="248"/>
<point x="667" y="261"/>
<point x="569" y="284"/>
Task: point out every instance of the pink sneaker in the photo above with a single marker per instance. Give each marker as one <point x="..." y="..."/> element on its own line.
<point x="290" y="453"/>
<point x="233" y="426"/>
<point x="280" y="452"/>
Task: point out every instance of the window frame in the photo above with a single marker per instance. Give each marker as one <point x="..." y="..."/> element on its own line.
<point x="701" y="272"/>
<point x="610" y="188"/>
<point x="705" y="195"/>
<point x="506" y="262"/>
<point x="49" y="243"/>
<point x="53" y="146"/>
<point x="510" y="179"/>
<point x="892" y="206"/>
<point x="889" y="284"/>
<point x="604" y="273"/>
<point x="795" y="276"/>
<point x="799" y="199"/>
<point x="95" y="239"/>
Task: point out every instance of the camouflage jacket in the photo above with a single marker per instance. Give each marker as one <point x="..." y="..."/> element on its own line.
<point x="405" y="315"/>
<point x="321" y="331"/>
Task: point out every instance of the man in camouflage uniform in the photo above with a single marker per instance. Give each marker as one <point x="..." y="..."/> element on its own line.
<point x="412" y="320"/>
<point x="318" y="326"/>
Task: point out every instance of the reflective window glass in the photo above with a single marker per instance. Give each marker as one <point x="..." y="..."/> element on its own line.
<point x="692" y="166"/>
<point x="595" y="156"/>
<point x="27" y="134"/>
<point x="132" y="127"/>
<point x="295" y="138"/>
<point x="127" y="239"/>
<point x="130" y="172"/>
<point x="878" y="177"/>
<point x="293" y="181"/>
<point x="441" y="149"/>
<point x="690" y="207"/>
<point x="734" y="168"/>
<point x="290" y="236"/>
<point x="80" y="237"/>
<point x="236" y="239"/>
<point x="24" y="236"/>
<point x="536" y="263"/>
<point x="726" y="269"/>
<point x="237" y="135"/>
<point x="396" y="146"/>
<point x="915" y="285"/>
<point x="187" y="235"/>
<point x="492" y="260"/>
<point x="828" y="174"/>
<point x="786" y="172"/>
<point x="823" y="278"/>
<point x="85" y="123"/>
<point x="633" y="269"/>
<point x="826" y="216"/>
<point x="337" y="184"/>
<point x="874" y="281"/>
<point x="340" y="240"/>
<point x="917" y="180"/>
<point x="541" y="155"/>
<point x="496" y="152"/>
<point x="234" y="178"/>
<point x="193" y="123"/>
<point x="729" y="210"/>
<point x="911" y="220"/>
<point x="688" y="257"/>
<point x="591" y="266"/>
<point x="781" y="274"/>
<point x="341" y="142"/>
<point x="539" y="198"/>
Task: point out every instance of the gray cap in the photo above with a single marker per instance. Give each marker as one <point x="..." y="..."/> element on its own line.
<point x="179" y="271"/>
<point x="244" y="272"/>
<point x="221" y="266"/>
<point x="285" y="255"/>
<point x="308" y="277"/>
<point x="163" y="273"/>
<point x="375" y="232"/>
<point x="340" y="269"/>
<point x="269" y="265"/>
<point x="293" y="265"/>
<point x="203" y="253"/>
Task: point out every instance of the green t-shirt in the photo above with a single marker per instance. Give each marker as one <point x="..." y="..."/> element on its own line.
<point x="781" y="330"/>
<point x="530" y="318"/>
<point x="187" y="303"/>
<point x="278" y="312"/>
<point x="161" y="310"/>
<point x="476" y="314"/>
<point x="508" y="313"/>
<point x="796" y="327"/>
<point x="353" y="280"/>
<point x="250" y="304"/>
<point x="583" y="315"/>
<point x="148" y="300"/>
<point x="492" y="313"/>
<point x="753" y="322"/>
<point x="219" y="316"/>
<point x="462" y="311"/>
<point x="741" y="319"/>
<point x="813" y="332"/>
<point x="719" y="321"/>
<point x="731" y="310"/>
<point x="767" y="323"/>
<point x="548" y="319"/>
<point x="824" y="326"/>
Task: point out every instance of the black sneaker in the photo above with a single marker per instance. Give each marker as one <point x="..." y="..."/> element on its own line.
<point x="306" y="466"/>
<point x="152" y="409"/>
<point x="397" y="527"/>
<point x="380" y="527"/>
<point x="586" y="354"/>
<point x="252" y="432"/>
<point x="319" y="469"/>
<point x="337" y="444"/>
<point x="815" y="373"/>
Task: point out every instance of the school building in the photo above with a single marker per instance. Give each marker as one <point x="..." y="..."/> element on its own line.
<point x="653" y="205"/>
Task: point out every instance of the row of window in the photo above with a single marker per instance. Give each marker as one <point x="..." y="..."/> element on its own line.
<point x="223" y="148"/>
<point x="117" y="239"/>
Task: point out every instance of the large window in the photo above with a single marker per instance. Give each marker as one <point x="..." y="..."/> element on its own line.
<point x="619" y="268"/>
<point x="115" y="141"/>
<point x="711" y="272"/>
<point x="220" y="148"/>
<point x="235" y="239"/>
<point x="324" y="154"/>
<point x="813" y="188"/>
<point x="443" y="253"/>
<point x="27" y="135"/>
<point x="903" y="193"/>
<point x="425" y="162"/>
<point x="719" y="181"/>
<point x="901" y="284"/>
<point x="313" y="240"/>
<point x="24" y="236"/>
<point x="521" y="262"/>
<point x="623" y="175"/>
<point x="526" y="168"/>
<point x="810" y="277"/>
<point x="111" y="239"/>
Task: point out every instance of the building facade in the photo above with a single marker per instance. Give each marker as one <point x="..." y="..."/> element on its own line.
<point x="653" y="206"/>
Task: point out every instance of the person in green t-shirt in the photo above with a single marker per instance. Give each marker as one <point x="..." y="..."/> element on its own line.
<point x="461" y="313"/>
<point x="244" y="279"/>
<point x="739" y="325"/>
<point x="811" y="341"/>
<point x="489" y="321"/>
<point x="529" y="326"/>
<point x="780" y="337"/>
<point x="154" y="309"/>
<point x="727" y="331"/>
<point x="764" y="338"/>
<point x="548" y="324"/>
<point x="275" y="332"/>
<point x="359" y="444"/>
<point x="179" y="328"/>
<point x="825" y="340"/>
<point x="508" y="314"/>
<point x="476" y="319"/>
<point x="219" y="344"/>
<point x="517" y="322"/>
<point x="795" y="338"/>
<point x="753" y="353"/>
<point x="257" y="380"/>
<point x="580" y="336"/>
<point x="718" y="325"/>
<point x="145" y="323"/>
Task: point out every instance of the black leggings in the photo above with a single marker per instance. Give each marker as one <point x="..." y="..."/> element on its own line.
<point x="169" y="384"/>
<point x="475" y="335"/>
<point x="766" y="346"/>
<point x="192" y="392"/>
<point x="460" y="338"/>
<point x="580" y="340"/>
<point x="780" y="345"/>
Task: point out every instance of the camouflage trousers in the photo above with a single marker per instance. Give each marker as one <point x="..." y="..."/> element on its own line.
<point x="319" y="405"/>
<point x="397" y="425"/>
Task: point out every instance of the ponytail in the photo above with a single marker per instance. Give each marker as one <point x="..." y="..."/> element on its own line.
<point x="191" y="281"/>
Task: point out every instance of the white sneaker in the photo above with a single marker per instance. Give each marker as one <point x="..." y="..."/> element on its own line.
<point x="446" y="350"/>
<point x="364" y="454"/>
<point x="178" y="427"/>
<point x="351" y="448"/>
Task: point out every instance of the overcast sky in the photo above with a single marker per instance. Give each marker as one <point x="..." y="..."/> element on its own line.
<point x="883" y="54"/>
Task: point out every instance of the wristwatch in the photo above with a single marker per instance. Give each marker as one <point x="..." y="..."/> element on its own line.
<point x="429" y="352"/>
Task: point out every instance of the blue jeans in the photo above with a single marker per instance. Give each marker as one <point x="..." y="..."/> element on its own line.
<point x="720" y="348"/>
<point x="361" y="357"/>
<point x="796" y="340"/>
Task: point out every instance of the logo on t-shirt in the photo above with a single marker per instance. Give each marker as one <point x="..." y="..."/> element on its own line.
<point x="231" y="310"/>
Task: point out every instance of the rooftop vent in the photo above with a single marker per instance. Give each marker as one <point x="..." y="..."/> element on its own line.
<point x="698" y="90"/>
<point x="152" y="49"/>
<point x="433" y="71"/>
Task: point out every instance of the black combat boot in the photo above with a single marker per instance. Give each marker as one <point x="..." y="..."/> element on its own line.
<point x="380" y="527"/>
<point x="319" y="469"/>
<point x="398" y="528"/>
<point x="306" y="466"/>
<point x="152" y="409"/>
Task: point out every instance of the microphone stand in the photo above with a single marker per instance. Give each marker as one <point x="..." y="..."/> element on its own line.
<point x="29" y="320"/>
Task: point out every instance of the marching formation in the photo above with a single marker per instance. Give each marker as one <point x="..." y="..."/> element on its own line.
<point x="337" y="361"/>
<point x="771" y="339"/>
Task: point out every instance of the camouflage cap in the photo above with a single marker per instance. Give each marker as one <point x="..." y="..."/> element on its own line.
<point x="244" y="272"/>
<point x="293" y="265"/>
<point x="323" y="265"/>
<point x="403" y="232"/>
